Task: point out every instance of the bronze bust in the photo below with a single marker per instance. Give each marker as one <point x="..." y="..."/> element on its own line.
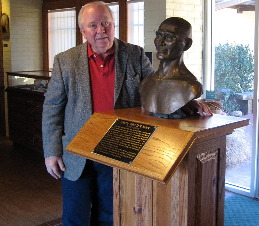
<point x="172" y="86"/>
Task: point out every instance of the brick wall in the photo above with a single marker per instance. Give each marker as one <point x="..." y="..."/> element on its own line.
<point x="26" y="33"/>
<point x="24" y="49"/>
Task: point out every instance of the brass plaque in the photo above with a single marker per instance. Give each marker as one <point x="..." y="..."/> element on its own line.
<point x="124" y="140"/>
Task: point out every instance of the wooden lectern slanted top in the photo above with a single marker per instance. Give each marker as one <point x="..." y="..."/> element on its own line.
<point x="165" y="149"/>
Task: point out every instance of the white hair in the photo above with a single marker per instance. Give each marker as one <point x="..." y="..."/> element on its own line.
<point x="100" y="3"/>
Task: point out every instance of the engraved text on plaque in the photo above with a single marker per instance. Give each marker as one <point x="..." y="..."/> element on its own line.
<point x="124" y="140"/>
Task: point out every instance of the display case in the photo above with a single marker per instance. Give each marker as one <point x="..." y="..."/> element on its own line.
<point x="25" y="95"/>
<point x="29" y="80"/>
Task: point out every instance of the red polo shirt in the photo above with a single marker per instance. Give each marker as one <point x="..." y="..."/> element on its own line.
<point x="102" y="74"/>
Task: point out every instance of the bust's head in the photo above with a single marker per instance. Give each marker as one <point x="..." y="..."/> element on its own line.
<point x="173" y="37"/>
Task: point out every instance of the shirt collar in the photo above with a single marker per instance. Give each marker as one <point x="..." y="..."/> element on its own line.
<point x="91" y="53"/>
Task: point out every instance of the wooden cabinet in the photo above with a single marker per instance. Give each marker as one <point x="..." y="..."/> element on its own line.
<point x="25" y="102"/>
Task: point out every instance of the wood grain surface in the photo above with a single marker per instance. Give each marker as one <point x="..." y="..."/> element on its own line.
<point x="164" y="151"/>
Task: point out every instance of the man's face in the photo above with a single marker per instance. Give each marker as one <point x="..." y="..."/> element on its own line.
<point x="170" y="42"/>
<point x="98" y="28"/>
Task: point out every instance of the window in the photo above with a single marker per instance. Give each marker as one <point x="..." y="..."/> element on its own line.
<point x="115" y="9"/>
<point x="136" y="22"/>
<point x="62" y="31"/>
<point x="230" y="75"/>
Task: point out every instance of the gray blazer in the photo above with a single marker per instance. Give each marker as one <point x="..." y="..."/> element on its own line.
<point x="68" y="101"/>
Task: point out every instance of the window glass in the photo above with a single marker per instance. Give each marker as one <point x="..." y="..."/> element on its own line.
<point x="136" y="22"/>
<point x="234" y="85"/>
<point x="231" y="84"/>
<point x="115" y="9"/>
<point x="61" y="31"/>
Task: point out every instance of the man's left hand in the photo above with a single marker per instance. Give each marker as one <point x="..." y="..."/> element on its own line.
<point x="195" y="106"/>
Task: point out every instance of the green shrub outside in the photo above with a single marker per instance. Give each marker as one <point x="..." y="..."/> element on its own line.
<point x="234" y="73"/>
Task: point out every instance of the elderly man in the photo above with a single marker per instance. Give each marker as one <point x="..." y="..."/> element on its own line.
<point x="102" y="74"/>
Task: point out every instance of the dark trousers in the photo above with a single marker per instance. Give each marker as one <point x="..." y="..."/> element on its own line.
<point x="89" y="200"/>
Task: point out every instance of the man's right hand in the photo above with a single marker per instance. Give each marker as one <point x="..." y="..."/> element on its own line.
<point x="54" y="164"/>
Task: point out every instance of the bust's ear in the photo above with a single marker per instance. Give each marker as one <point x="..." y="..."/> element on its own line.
<point x="188" y="43"/>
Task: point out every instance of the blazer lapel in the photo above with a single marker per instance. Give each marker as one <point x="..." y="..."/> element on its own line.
<point x="120" y="67"/>
<point x="82" y="71"/>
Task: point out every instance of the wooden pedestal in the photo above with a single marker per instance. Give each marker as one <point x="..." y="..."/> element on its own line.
<point x="186" y="187"/>
<point x="193" y="196"/>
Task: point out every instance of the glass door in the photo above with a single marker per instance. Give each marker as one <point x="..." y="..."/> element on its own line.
<point x="233" y="84"/>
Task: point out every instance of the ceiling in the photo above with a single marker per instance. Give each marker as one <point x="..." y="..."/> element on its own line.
<point x="240" y="5"/>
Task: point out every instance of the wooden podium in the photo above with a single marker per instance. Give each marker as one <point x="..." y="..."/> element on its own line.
<point x="176" y="178"/>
